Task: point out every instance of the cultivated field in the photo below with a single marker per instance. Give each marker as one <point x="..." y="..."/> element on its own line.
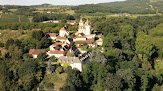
<point x="9" y="18"/>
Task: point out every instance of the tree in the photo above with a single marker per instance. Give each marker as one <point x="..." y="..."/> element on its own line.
<point x="30" y="66"/>
<point x="45" y="42"/>
<point x="30" y="74"/>
<point x="94" y="74"/>
<point x="53" y="59"/>
<point x="112" y="83"/>
<point x="15" y="52"/>
<point x="128" y="78"/>
<point x="156" y="87"/>
<point x="68" y="87"/>
<point x="144" y="82"/>
<point x="59" y="70"/>
<point x="97" y="56"/>
<point x="42" y="57"/>
<point x="37" y="35"/>
<point x="4" y="77"/>
<point x="9" y="42"/>
<point x="144" y="47"/>
<point x="73" y="80"/>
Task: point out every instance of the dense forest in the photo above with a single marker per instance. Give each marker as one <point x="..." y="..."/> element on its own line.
<point x="129" y="6"/>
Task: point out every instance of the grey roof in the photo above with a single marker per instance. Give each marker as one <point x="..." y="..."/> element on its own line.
<point x="65" y="59"/>
<point x="85" y="56"/>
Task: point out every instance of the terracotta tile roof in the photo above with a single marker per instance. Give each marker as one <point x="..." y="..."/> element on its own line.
<point x="56" y="52"/>
<point x="51" y="35"/>
<point x="36" y="51"/>
<point x="61" y="37"/>
<point x="82" y="42"/>
<point x="56" y="44"/>
<point x="90" y="40"/>
<point x="80" y="37"/>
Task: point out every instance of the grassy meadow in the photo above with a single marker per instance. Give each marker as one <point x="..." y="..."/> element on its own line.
<point x="57" y="79"/>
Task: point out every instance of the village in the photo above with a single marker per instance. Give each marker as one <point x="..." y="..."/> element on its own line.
<point x="73" y="51"/>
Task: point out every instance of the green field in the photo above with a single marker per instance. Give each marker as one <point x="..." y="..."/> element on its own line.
<point x="51" y="7"/>
<point x="9" y="18"/>
<point x="13" y="10"/>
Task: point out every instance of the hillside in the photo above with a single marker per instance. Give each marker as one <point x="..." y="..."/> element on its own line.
<point x="129" y="6"/>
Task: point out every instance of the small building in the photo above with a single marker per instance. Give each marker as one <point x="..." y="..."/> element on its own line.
<point x="49" y="12"/>
<point x="34" y="52"/>
<point x="56" y="53"/>
<point x="74" y="62"/>
<point x="80" y="36"/>
<point x="52" y="21"/>
<point x="51" y="35"/>
<point x="56" y="21"/>
<point x="71" y="22"/>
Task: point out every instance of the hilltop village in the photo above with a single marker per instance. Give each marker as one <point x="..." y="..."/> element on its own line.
<point x="72" y="51"/>
<point x="115" y="46"/>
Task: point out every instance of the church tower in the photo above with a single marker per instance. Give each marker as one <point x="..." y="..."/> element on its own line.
<point x="81" y="22"/>
<point x="84" y="28"/>
<point x="87" y="28"/>
<point x="81" y="26"/>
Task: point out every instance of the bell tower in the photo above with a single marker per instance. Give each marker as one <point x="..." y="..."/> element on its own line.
<point x="87" y="28"/>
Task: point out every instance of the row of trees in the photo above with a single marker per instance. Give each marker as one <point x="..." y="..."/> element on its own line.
<point x="48" y="27"/>
<point x="45" y="17"/>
